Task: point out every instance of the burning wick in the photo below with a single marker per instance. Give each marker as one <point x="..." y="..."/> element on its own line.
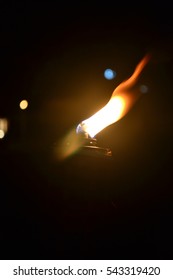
<point x="90" y="147"/>
<point x="122" y="99"/>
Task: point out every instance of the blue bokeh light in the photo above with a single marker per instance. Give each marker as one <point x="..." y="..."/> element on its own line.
<point x="109" y="74"/>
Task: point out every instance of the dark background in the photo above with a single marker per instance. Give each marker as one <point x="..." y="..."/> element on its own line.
<point x="85" y="207"/>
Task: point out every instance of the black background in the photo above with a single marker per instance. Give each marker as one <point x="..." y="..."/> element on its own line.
<point x="54" y="55"/>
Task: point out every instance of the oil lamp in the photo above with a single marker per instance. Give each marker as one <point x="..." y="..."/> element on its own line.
<point x="122" y="99"/>
<point x="119" y="104"/>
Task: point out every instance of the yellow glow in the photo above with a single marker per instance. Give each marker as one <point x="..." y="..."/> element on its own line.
<point x="106" y="116"/>
<point x="68" y="145"/>
<point x="119" y="104"/>
<point x="2" y="134"/>
<point x="3" y="127"/>
<point x="23" y="104"/>
<point x="122" y="99"/>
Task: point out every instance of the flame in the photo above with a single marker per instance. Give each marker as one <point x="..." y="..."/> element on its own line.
<point x="122" y="99"/>
<point x="119" y="104"/>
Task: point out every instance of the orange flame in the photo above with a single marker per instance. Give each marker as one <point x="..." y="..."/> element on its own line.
<point x="119" y="104"/>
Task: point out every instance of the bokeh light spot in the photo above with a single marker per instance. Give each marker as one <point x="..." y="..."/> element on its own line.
<point x="3" y="127"/>
<point x="143" y="88"/>
<point x="23" y="104"/>
<point x="109" y="74"/>
<point x="2" y="134"/>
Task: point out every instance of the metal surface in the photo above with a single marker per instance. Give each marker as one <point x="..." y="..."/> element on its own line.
<point x="91" y="148"/>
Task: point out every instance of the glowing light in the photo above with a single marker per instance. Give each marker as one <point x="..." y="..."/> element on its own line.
<point x="3" y="127"/>
<point x="23" y="104"/>
<point x="109" y="74"/>
<point x="122" y="99"/>
<point x="119" y="104"/>
<point x="2" y="134"/>
<point x="69" y="145"/>
<point x="106" y="116"/>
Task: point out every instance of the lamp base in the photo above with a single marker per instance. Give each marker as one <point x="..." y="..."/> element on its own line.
<point x="90" y="148"/>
